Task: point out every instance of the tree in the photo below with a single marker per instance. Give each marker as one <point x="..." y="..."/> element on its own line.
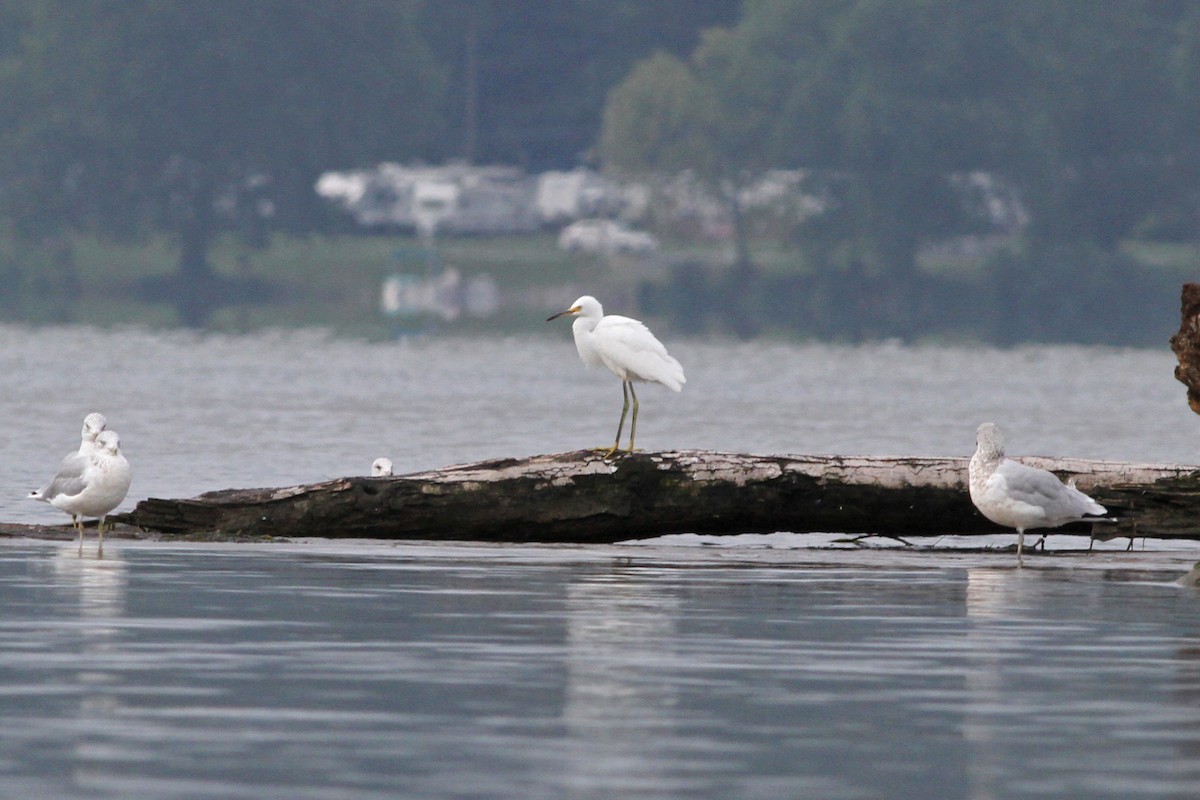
<point x="1098" y="108"/>
<point x="886" y="105"/>
<point x="838" y="88"/>
<point x="531" y="76"/>
<point x="138" y="114"/>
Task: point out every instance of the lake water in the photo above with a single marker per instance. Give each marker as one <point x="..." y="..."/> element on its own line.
<point x="759" y="667"/>
<point x="420" y="671"/>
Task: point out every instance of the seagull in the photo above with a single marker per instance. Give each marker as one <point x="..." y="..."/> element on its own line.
<point x="381" y="468"/>
<point x="90" y="485"/>
<point x="627" y="348"/>
<point x="93" y="425"/>
<point x="1020" y="496"/>
<point x="1192" y="578"/>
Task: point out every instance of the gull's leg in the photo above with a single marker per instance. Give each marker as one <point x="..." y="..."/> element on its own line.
<point x="1020" y="546"/>
<point x="625" y="387"/>
<point x="100" y="538"/>
<point x="78" y="526"/>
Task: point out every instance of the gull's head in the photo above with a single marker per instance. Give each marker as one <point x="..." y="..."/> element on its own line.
<point x="989" y="441"/>
<point x="93" y="425"/>
<point x="381" y="468"/>
<point x="586" y="306"/>
<point x="109" y="442"/>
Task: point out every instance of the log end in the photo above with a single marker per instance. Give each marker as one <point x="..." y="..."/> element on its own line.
<point x="1186" y="344"/>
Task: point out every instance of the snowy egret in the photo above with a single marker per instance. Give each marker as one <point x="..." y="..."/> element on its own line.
<point x="381" y="468"/>
<point x="627" y="348"/>
<point x="1020" y="496"/>
<point x="91" y="484"/>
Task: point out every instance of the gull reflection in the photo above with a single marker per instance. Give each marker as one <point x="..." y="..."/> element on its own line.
<point x="101" y="583"/>
<point x="619" y="707"/>
<point x="992" y="597"/>
<point x="101" y="586"/>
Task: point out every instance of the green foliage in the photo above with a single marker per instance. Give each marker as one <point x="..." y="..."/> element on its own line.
<point x="119" y="106"/>
<point x="885" y="104"/>
<point x="660" y="120"/>
<point x="540" y="70"/>
<point x="173" y="122"/>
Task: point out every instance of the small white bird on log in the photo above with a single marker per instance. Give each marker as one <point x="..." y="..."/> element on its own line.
<point x="1020" y="496"/>
<point x="381" y="468"/>
<point x="627" y="348"/>
<point x="90" y="485"/>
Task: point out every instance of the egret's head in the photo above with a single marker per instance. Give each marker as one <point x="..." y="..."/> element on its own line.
<point x="988" y="440"/>
<point x="109" y="442"/>
<point x="93" y="425"/>
<point x="586" y="306"/>
<point x="381" y="468"/>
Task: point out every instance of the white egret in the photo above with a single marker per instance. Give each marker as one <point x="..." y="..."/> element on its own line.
<point x="1020" y="496"/>
<point x="91" y="484"/>
<point x="381" y="468"/>
<point x="627" y="348"/>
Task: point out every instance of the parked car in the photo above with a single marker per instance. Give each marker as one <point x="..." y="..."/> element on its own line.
<point x="605" y="236"/>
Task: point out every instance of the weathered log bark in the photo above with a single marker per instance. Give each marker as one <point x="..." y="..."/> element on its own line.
<point x="579" y="497"/>
<point x="1186" y="344"/>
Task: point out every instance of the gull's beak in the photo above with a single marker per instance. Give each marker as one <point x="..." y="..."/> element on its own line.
<point x="571" y="310"/>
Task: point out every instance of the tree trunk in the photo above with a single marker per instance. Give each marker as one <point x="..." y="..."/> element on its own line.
<point x="580" y="497"/>
<point x="194" y="197"/>
<point x="743" y="277"/>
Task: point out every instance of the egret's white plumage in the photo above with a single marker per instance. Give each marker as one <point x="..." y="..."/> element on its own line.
<point x="381" y="468"/>
<point x="1020" y="496"/>
<point x="627" y="348"/>
<point x="89" y="484"/>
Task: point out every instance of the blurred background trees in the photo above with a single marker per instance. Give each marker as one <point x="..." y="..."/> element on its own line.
<point x="914" y="123"/>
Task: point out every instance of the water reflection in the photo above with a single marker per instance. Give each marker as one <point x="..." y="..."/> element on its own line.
<point x="620" y="627"/>
<point x="268" y="672"/>
<point x="991" y="597"/>
<point x="99" y="587"/>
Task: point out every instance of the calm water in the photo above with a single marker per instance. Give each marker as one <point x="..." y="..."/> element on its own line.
<point x="757" y="669"/>
<point x="374" y="671"/>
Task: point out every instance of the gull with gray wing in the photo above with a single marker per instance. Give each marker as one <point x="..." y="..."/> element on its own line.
<point x="1020" y="496"/>
<point x="90" y="485"/>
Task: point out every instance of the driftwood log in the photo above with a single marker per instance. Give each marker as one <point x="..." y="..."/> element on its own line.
<point x="580" y="497"/>
<point x="1186" y="344"/>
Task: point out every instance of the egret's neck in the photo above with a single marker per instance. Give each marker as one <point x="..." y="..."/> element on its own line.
<point x="584" y="330"/>
<point x="583" y="325"/>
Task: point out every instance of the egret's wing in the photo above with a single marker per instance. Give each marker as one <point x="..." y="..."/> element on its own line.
<point x="70" y="478"/>
<point x="627" y="346"/>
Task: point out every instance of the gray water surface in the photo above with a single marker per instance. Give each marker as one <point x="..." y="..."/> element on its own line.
<point x="759" y="668"/>
<point x="373" y="671"/>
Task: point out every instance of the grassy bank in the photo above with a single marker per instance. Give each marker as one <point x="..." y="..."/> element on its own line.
<point x="316" y="280"/>
<point x="335" y="281"/>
